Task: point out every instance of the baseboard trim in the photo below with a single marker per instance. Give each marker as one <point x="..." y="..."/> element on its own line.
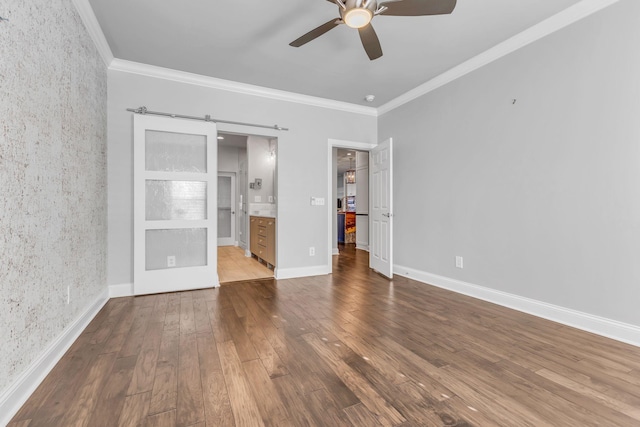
<point x="363" y="247"/>
<point x="603" y="326"/>
<point x="17" y="394"/>
<point x="292" y="273"/>
<point x="121" y="290"/>
<point x="335" y="251"/>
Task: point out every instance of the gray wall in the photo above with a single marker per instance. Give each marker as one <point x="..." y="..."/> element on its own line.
<point x="302" y="159"/>
<point x="53" y="209"/>
<point x="228" y="159"/>
<point x="540" y="197"/>
<point x="261" y="165"/>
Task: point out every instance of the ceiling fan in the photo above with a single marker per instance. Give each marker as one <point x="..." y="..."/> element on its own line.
<point x="359" y="13"/>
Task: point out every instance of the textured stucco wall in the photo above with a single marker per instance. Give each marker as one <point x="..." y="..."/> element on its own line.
<point x="53" y="206"/>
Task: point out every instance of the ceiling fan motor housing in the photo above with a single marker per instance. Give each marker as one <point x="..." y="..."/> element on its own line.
<point x="358" y="7"/>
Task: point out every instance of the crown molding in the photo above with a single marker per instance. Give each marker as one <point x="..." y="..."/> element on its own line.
<point x="556" y="22"/>
<point x="95" y="31"/>
<point x="231" y="86"/>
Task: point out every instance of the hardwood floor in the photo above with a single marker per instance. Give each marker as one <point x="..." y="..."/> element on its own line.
<point x="234" y="266"/>
<point x="351" y="349"/>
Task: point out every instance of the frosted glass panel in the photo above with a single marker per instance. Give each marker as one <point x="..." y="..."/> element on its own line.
<point x="188" y="246"/>
<point x="167" y="200"/>
<point x="175" y="152"/>
<point x="224" y="206"/>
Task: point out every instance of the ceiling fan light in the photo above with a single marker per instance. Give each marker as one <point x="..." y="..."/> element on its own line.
<point x="357" y="17"/>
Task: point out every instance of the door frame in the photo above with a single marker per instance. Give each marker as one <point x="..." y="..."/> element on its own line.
<point x="331" y="212"/>
<point x="267" y="133"/>
<point x="234" y="224"/>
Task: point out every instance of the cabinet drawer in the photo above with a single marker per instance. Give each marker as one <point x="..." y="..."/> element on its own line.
<point x="262" y="231"/>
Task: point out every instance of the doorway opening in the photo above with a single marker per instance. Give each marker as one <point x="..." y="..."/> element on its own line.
<point x="332" y="175"/>
<point x="352" y="187"/>
<point x="247" y="192"/>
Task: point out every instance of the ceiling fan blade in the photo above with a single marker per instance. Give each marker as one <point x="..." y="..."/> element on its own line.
<point x="370" y="42"/>
<point x="418" y="7"/>
<point x="317" y="32"/>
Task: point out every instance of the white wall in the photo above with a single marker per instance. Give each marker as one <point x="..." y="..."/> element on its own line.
<point x="540" y="197"/>
<point x="302" y="159"/>
<point x="53" y="209"/>
<point x="228" y="159"/>
<point x="263" y="166"/>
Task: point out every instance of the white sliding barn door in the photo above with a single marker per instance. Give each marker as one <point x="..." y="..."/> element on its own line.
<point x="175" y="186"/>
<point x="381" y="212"/>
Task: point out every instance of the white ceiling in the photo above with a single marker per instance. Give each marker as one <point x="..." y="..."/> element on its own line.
<point x="346" y="160"/>
<point x="247" y="41"/>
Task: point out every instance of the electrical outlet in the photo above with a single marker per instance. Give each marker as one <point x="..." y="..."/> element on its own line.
<point x="270" y="198"/>
<point x="312" y="251"/>
<point x="171" y="261"/>
<point x="68" y="294"/>
<point x="459" y="262"/>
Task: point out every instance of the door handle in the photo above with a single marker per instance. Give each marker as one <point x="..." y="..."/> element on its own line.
<point x="388" y="215"/>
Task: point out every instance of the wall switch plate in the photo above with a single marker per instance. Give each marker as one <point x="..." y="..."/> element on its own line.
<point x="459" y="262"/>
<point x="171" y="261"/>
<point x="270" y="198"/>
<point x="312" y="251"/>
<point x="317" y="201"/>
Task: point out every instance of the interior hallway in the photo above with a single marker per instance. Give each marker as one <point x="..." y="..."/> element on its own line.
<point x="348" y="349"/>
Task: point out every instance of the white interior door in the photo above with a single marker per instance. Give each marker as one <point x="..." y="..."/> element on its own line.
<point x="381" y="212"/>
<point x="226" y="209"/>
<point x="175" y="170"/>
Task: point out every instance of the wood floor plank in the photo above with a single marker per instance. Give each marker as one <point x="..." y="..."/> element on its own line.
<point x="294" y="401"/>
<point x="187" y="315"/>
<point x="135" y="410"/>
<point x="172" y="315"/>
<point x="243" y="344"/>
<point x="133" y="341"/>
<point x="144" y="373"/>
<point x="165" y="385"/>
<point x="269" y="357"/>
<point x="201" y="316"/>
<point x="163" y="419"/>
<point x="266" y="397"/>
<point x="624" y="408"/>
<point x="78" y="411"/>
<point x="217" y="407"/>
<point x="324" y="410"/>
<point x="387" y="415"/>
<point x="190" y="405"/>
<point x="112" y="396"/>
<point x="243" y="405"/>
<point x="359" y="415"/>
